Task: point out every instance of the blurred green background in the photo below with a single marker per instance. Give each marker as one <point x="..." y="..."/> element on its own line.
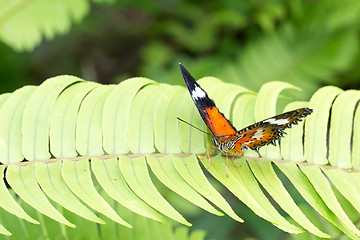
<point x="308" y="43"/>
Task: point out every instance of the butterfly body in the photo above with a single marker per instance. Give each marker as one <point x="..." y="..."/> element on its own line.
<point x="227" y="144"/>
<point x="225" y="137"/>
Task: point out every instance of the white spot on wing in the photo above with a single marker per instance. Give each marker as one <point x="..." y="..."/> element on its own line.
<point x="277" y="121"/>
<point x="258" y="134"/>
<point x="197" y="93"/>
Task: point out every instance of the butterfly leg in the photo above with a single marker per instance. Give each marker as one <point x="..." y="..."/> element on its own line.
<point x="233" y="161"/>
<point x="207" y="155"/>
<point x="226" y="164"/>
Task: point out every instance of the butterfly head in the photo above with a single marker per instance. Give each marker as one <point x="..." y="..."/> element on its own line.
<point x="223" y="143"/>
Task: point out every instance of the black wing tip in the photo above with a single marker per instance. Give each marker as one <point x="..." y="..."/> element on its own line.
<point x="189" y="80"/>
<point x="307" y="111"/>
<point x="183" y="69"/>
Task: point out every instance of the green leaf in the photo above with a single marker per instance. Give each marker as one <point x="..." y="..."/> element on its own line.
<point x="22" y="180"/>
<point x="8" y="203"/>
<point x="137" y="176"/>
<point x="11" y="120"/>
<point x="165" y="171"/>
<point x="63" y="119"/>
<point x="77" y="177"/>
<point x="356" y="141"/>
<point x="89" y="122"/>
<point x="144" y="228"/>
<point x="307" y="191"/>
<point x="189" y="169"/>
<point x="23" y="25"/>
<point x="345" y="183"/>
<point x="48" y="175"/>
<point x="190" y="139"/>
<point x="116" y="115"/>
<point x="166" y="140"/>
<point x="108" y="174"/>
<point x="316" y="125"/>
<point x="3" y="98"/>
<point x="4" y="231"/>
<point x="242" y="183"/>
<point x="264" y="172"/>
<point x="243" y="110"/>
<point x="37" y="116"/>
<point x="341" y="128"/>
<point x="323" y="188"/>
<point x="141" y="138"/>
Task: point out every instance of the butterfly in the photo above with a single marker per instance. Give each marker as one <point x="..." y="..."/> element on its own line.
<point x="225" y="137"/>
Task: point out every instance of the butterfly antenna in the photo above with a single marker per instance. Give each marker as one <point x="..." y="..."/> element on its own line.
<point x="193" y="126"/>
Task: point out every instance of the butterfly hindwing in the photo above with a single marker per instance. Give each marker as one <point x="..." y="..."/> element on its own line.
<point x="269" y="130"/>
<point x="213" y="118"/>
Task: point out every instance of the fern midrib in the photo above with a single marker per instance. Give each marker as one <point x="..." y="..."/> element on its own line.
<point x="181" y="155"/>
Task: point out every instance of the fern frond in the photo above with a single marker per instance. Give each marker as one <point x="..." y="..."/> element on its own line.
<point x="74" y="134"/>
<point x="23" y="24"/>
<point x="50" y="229"/>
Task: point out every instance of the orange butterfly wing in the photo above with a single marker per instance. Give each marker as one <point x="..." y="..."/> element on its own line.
<point x="213" y="118"/>
<point x="269" y="130"/>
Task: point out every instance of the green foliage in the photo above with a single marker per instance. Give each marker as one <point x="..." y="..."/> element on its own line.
<point x="143" y="228"/>
<point x="23" y="24"/>
<point x="307" y="44"/>
<point x="62" y="126"/>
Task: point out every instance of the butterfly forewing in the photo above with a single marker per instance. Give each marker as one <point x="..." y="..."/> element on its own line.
<point x="211" y="115"/>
